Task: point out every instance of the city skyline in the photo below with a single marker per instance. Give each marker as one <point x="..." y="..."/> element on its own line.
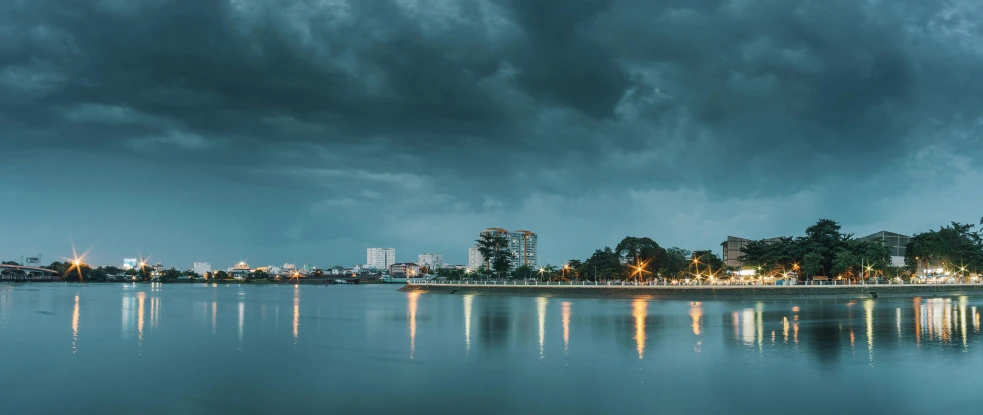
<point x="304" y="132"/>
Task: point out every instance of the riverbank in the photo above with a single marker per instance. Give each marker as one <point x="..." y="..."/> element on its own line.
<point x="705" y="293"/>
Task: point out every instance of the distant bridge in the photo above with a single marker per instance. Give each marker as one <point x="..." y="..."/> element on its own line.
<point x="22" y="273"/>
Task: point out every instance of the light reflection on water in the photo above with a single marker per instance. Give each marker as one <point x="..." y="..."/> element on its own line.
<point x="663" y="345"/>
<point x="640" y="312"/>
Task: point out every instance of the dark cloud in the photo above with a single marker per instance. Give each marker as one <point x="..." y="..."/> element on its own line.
<point x="363" y="115"/>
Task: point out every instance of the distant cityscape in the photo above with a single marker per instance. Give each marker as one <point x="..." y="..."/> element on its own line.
<point x="381" y="262"/>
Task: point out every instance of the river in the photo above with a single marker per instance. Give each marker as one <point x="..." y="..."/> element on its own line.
<point x="229" y="349"/>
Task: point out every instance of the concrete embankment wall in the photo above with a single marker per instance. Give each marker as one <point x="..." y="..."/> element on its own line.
<point x="704" y="293"/>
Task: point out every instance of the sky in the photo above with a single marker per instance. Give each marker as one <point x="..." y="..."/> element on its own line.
<point x="278" y="131"/>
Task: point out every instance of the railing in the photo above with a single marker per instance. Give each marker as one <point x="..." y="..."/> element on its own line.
<point x="585" y="283"/>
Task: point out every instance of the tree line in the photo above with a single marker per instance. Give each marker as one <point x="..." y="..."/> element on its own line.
<point x="823" y="251"/>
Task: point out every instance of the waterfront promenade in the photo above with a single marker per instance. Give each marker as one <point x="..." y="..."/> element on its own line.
<point x="694" y="292"/>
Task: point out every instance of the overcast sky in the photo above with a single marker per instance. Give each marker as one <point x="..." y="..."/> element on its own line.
<point x="306" y="131"/>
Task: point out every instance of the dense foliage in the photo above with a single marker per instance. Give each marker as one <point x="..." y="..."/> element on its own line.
<point x="823" y="251"/>
<point x="956" y="247"/>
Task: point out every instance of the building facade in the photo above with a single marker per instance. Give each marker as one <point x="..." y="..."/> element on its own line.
<point x="475" y="260"/>
<point x="731" y="250"/>
<point x="524" y="247"/>
<point x="432" y="261"/>
<point x="896" y="242"/>
<point x="202" y="268"/>
<point x="380" y="258"/>
<point x="404" y="269"/>
<point x="522" y="244"/>
<point x="129" y="263"/>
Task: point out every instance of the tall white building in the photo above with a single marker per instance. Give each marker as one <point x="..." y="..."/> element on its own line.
<point x="202" y="268"/>
<point x="432" y="261"/>
<point x="380" y="258"/>
<point x="475" y="260"/>
<point x="523" y="245"/>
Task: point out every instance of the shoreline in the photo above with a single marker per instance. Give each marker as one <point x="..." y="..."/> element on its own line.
<point x="705" y="293"/>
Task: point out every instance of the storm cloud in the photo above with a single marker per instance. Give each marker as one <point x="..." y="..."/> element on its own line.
<point x="310" y="130"/>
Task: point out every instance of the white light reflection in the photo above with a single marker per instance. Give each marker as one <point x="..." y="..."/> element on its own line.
<point x="413" y="296"/>
<point x="897" y="321"/>
<point x="296" y="324"/>
<point x="468" y="301"/>
<point x="962" y="319"/>
<point x="242" y="321"/>
<point x="141" y="297"/>
<point x="869" y="319"/>
<point x="747" y="326"/>
<point x="541" y="312"/>
<point x="696" y="314"/>
<point x="565" y="309"/>
<point x="75" y="326"/>
<point x="125" y="320"/>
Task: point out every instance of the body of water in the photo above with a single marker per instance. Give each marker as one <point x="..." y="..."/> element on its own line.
<point x="204" y="349"/>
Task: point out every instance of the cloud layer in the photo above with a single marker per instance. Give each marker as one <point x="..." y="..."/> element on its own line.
<point x="311" y="130"/>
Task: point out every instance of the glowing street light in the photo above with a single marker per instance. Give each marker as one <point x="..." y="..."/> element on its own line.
<point x="639" y="269"/>
<point x="76" y="262"/>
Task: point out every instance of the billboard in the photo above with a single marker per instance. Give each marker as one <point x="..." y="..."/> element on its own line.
<point x="129" y="263"/>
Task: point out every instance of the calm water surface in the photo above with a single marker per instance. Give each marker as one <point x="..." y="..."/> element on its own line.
<point x="203" y="349"/>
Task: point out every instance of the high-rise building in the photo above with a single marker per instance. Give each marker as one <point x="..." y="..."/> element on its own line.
<point x="380" y="258"/>
<point x="522" y="244"/>
<point x="432" y="261"/>
<point x="475" y="260"/>
<point x="202" y="268"/>
<point x="129" y="263"/>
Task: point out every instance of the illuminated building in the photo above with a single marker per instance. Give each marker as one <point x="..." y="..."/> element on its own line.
<point x="403" y="270"/>
<point x="129" y="263"/>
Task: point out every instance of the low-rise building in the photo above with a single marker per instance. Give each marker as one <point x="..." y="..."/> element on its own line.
<point x="404" y="269"/>
<point x="896" y="242"/>
<point x="731" y="250"/>
<point x="431" y="261"/>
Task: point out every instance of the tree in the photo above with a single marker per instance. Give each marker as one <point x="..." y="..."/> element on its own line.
<point x="9" y="263"/>
<point x="494" y="248"/>
<point x="710" y="261"/>
<point x="956" y="247"/>
<point x="572" y="269"/>
<point x="98" y="274"/>
<point x="549" y="271"/>
<point x="676" y="262"/>
<point x="259" y="275"/>
<point x="641" y="252"/>
<point x="220" y="275"/>
<point x="604" y="264"/>
<point x="824" y="238"/>
<point x="522" y="272"/>
<point x="812" y="264"/>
